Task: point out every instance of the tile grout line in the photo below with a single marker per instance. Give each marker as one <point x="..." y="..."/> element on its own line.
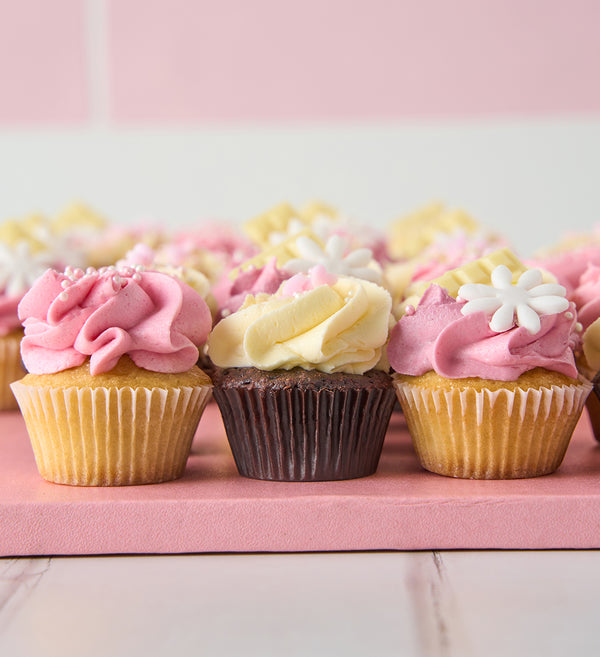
<point x="24" y="582"/>
<point x="437" y="588"/>
<point x="97" y="50"/>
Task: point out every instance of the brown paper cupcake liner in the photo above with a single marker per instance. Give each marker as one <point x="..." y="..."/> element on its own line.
<point x="308" y="431"/>
<point x="111" y="436"/>
<point x="486" y="434"/>
<point x="11" y="369"/>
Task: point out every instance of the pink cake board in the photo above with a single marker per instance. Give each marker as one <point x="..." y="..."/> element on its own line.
<point x="213" y="509"/>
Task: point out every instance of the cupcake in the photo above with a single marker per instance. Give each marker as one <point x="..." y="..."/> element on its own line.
<point x="586" y="296"/>
<point x="113" y="396"/>
<point x="410" y="236"/>
<point x="300" y="381"/>
<point x="487" y="380"/>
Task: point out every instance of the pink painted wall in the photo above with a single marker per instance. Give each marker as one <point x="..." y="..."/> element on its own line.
<point x="43" y="61"/>
<point x="237" y="60"/>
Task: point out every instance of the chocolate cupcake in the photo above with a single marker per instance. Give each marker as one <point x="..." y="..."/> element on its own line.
<point x="304" y="425"/>
<point x="301" y="384"/>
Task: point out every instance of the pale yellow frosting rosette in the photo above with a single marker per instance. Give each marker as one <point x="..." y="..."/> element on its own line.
<point x="331" y="328"/>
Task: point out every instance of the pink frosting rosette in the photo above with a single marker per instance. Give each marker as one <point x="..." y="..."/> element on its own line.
<point x="439" y="337"/>
<point x="230" y="294"/>
<point x="154" y="318"/>
<point x="569" y="266"/>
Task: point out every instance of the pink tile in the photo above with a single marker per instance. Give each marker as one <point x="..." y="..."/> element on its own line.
<point x="330" y="59"/>
<point x="42" y="61"/>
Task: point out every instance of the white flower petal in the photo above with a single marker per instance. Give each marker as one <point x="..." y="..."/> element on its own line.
<point x="359" y="258"/>
<point x="336" y="247"/>
<point x="528" y="318"/>
<point x="471" y="291"/>
<point x="548" y="289"/>
<point x="487" y="305"/>
<point x="367" y="273"/>
<point x="503" y="319"/>
<point x="530" y="278"/>
<point x="309" y="249"/>
<point x="549" y="305"/>
<point x="501" y="277"/>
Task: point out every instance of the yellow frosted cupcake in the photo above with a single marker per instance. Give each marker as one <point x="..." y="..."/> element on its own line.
<point x="113" y="396"/>
<point x="487" y="380"/>
<point x="300" y="382"/>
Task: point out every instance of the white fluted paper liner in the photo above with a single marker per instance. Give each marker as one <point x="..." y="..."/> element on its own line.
<point x="11" y="369"/>
<point x="111" y="436"/>
<point x="492" y="434"/>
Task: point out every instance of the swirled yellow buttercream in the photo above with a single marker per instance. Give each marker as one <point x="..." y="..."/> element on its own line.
<point x="331" y="328"/>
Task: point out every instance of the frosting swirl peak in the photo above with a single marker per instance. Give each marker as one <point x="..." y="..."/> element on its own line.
<point x="156" y="319"/>
<point x="338" y="327"/>
<point x="439" y="337"/>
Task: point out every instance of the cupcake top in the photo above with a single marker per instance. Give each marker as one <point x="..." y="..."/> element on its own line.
<point x="587" y="299"/>
<point x="569" y="266"/>
<point x="496" y="331"/>
<point x="317" y="321"/>
<point x="412" y="234"/>
<point x="101" y="315"/>
<point x="231" y="293"/>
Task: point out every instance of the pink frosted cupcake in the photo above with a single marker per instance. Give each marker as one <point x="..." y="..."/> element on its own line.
<point x="487" y="380"/>
<point x="113" y="396"/>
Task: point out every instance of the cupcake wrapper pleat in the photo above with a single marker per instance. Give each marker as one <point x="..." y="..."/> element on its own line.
<point x="111" y="436"/>
<point x="305" y="435"/>
<point x="486" y="434"/>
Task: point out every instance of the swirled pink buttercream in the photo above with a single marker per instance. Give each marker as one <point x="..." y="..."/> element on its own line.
<point x="437" y="336"/>
<point x="230" y="295"/>
<point x="569" y="266"/>
<point x="9" y="318"/>
<point x="156" y="319"/>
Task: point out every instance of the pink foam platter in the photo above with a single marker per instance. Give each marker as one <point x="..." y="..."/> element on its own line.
<point x="213" y="509"/>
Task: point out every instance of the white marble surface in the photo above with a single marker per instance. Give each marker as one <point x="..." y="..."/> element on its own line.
<point x="405" y="603"/>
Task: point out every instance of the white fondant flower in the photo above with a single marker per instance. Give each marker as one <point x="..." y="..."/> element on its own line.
<point x="59" y="248"/>
<point x="356" y="263"/>
<point x="294" y="227"/>
<point x="19" y="268"/>
<point x="522" y="303"/>
<point x="321" y="226"/>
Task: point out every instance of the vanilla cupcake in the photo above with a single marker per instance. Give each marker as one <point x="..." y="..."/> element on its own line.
<point x="487" y="380"/>
<point x="113" y="396"/>
<point x="301" y="381"/>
